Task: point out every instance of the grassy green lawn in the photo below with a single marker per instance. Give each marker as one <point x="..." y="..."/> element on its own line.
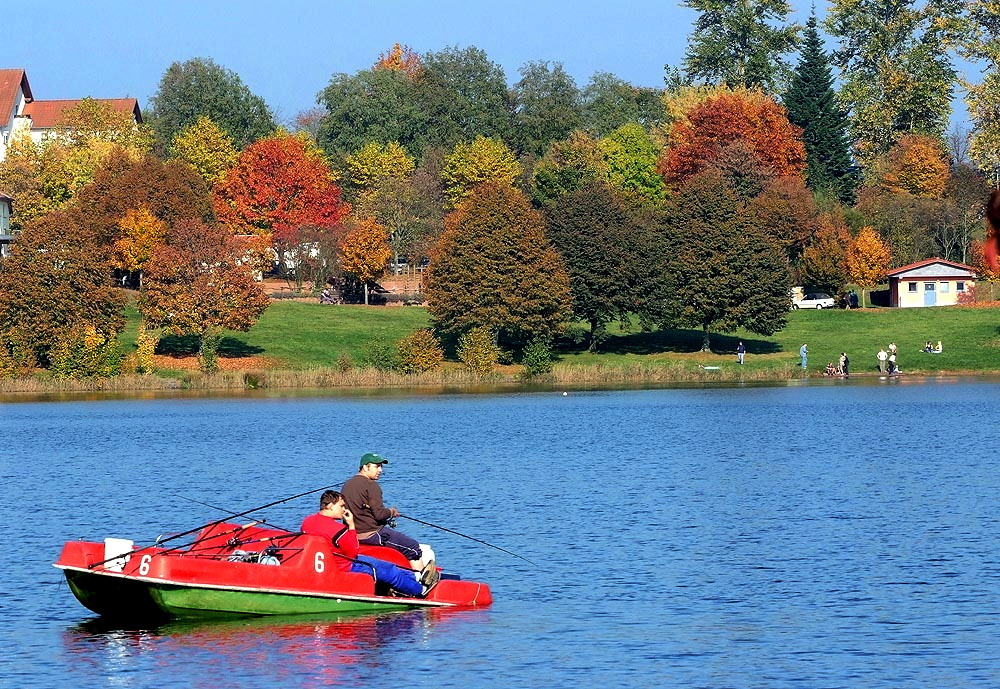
<point x="971" y="339"/>
<point x="309" y="335"/>
<point x="302" y="335"/>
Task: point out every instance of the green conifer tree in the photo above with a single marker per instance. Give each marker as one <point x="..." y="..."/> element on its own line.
<point x="812" y="105"/>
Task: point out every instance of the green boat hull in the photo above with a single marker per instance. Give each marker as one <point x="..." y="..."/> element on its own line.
<point x="201" y="603"/>
<point x="121" y="597"/>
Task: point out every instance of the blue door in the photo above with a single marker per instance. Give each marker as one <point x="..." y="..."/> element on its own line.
<point x="930" y="295"/>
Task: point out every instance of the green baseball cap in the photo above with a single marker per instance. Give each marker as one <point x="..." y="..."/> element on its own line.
<point x="372" y="458"/>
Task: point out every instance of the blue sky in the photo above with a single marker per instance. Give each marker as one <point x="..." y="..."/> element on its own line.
<point x="287" y="51"/>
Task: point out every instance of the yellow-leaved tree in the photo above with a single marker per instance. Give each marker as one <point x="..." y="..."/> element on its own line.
<point x="916" y="165"/>
<point x="374" y="163"/>
<point x="868" y="260"/>
<point x="471" y="164"/>
<point x="206" y="148"/>
<point x="365" y="251"/>
<point x="140" y="233"/>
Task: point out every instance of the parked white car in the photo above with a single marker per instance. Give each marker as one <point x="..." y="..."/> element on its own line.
<point x="814" y="300"/>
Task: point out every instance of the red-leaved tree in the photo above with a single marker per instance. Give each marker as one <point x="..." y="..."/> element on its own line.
<point x="725" y="118"/>
<point x="278" y="185"/>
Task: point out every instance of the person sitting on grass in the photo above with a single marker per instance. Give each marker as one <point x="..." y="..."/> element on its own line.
<point x="335" y="523"/>
<point x="928" y="347"/>
<point x="830" y="370"/>
<point x="937" y="348"/>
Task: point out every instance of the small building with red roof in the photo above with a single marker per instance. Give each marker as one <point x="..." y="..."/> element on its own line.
<point x="21" y="112"/>
<point x="932" y="282"/>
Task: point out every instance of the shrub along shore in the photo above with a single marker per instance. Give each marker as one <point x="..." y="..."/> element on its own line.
<point x="305" y="345"/>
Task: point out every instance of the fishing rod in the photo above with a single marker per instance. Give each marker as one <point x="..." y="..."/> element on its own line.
<point x="229" y="512"/>
<point x="477" y="540"/>
<point x="214" y="523"/>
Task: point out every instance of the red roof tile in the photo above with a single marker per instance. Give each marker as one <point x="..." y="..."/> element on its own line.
<point x="10" y="80"/>
<point x="927" y="262"/>
<point x="46" y="114"/>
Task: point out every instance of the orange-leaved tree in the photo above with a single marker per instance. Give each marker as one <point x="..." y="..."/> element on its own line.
<point x="917" y="165"/>
<point x="366" y="251"/>
<point x="714" y="122"/>
<point x="140" y="232"/>
<point x="823" y="266"/>
<point x="868" y="260"/>
<point x="279" y="184"/>
<point x="198" y="282"/>
<point x="401" y="59"/>
<point x="494" y="268"/>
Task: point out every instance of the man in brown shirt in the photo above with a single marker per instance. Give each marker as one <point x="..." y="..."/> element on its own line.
<point x="363" y="496"/>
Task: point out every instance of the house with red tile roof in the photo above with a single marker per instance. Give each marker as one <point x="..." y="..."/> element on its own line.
<point x="932" y="282"/>
<point x="21" y="112"/>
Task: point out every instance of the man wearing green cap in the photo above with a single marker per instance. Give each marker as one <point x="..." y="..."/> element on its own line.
<point x="363" y="496"/>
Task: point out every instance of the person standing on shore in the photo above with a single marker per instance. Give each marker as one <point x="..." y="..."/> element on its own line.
<point x="882" y="357"/>
<point x="804" y="354"/>
<point x="741" y="351"/>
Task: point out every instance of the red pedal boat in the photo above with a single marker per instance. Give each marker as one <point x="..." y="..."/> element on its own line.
<point x="231" y="570"/>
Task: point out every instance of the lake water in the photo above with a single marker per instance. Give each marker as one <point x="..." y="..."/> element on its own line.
<point x="818" y="535"/>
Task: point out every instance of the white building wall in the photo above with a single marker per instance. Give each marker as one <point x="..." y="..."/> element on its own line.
<point x="10" y="122"/>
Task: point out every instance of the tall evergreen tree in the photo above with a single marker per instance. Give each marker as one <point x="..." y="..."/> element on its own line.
<point x="812" y="105"/>
<point x="740" y="43"/>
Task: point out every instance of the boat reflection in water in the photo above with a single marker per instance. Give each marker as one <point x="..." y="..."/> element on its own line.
<point x="323" y="648"/>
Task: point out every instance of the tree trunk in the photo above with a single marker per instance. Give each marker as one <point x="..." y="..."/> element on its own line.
<point x="366" y="293"/>
<point x="595" y="332"/>
<point x="864" y="296"/>
<point x="705" y="343"/>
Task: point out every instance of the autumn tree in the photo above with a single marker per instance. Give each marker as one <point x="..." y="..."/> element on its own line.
<point x="611" y="261"/>
<point x="481" y="161"/>
<point x="375" y="163"/>
<point x="93" y="120"/>
<point x="206" y="148"/>
<point x="278" y="185"/>
<point x="786" y="211"/>
<point x="366" y="251"/>
<point x="897" y="70"/>
<point x="609" y="102"/>
<point x="548" y="106"/>
<point x="46" y="176"/>
<point x="868" y="260"/>
<point x="722" y="118"/>
<point x="201" y="88"/>
<point x="812" y="105"/>
<point x="494" y="267"/>
<point x="198" y="283"/>
<point x="823" y="266"/>
<point x="630" y="160"/>
<point x="725" y="273"/>
<point x="740" y="43"/>
<point x="916" y="165"/>
<point x="56" y="280"/>
<point x="567" y="166"/>
<point x="982" y="45"/>
<point x="140" y="232"/>
<point x="400" y="58"/>
<point x="171" y="191"/>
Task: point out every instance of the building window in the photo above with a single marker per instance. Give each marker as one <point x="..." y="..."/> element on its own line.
<point x="959" y="286"/>
<point x="912" y="286"/>
<point x="945" y="287"/>
<point x="928" y="286"/>
<point x="4" y="218"/>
